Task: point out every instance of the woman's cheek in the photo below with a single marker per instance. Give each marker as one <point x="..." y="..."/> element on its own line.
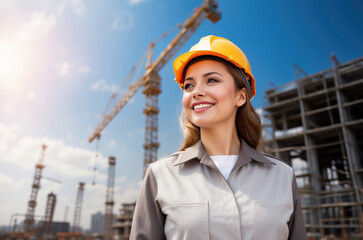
<point x="185" y="100"/>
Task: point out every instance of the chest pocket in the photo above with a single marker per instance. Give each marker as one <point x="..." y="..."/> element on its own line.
<point x="271" y="221"/>
<point x="186" y="221"/>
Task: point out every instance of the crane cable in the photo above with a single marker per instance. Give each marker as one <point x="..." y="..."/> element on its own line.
<point x="95" y="165"/>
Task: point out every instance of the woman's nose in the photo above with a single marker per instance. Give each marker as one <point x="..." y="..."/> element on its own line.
<point x="198" y="91"/>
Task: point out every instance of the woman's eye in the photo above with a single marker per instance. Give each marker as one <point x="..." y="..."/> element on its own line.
<point x="187" y="85"/>
<point x="212" y="80"/>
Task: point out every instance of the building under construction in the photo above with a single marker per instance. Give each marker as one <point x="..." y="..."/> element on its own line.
<point x="316" y="125"/>
<point x="124" y="221"/>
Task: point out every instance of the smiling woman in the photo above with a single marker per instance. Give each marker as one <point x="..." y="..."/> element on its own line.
<point x="218" y="186"/>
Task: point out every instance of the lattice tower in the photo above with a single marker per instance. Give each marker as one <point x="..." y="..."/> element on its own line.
<point x="29" y="217"/>
<point x="78" y="208"/>
<point x="108" y="218"/>
<point x="49" y="211"/>
<point x="151" y="111"/>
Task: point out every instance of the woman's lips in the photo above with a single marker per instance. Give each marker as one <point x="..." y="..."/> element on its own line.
<point x="201" y="106"/>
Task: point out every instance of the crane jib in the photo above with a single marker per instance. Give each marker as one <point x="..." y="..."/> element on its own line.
<point x="209" y="9"/>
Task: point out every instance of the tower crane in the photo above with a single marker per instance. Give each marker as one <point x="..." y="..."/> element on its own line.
<point x="29" y="217"/>
<point x="151" y="81"/>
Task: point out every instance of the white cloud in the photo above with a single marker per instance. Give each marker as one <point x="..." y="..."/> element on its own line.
<point x="103" y="86"/>
<point x="130" y="195"/>
<point x="6" y="182"/>
<point x="120" y="180"/>
<point x="97" y="85"/>
<point x="78" y="6"/>
<point x="38" y="26"/>
<point x="66" y="160"/>
<point x="8" y="134"/>
<point x="137" y="1"/>
<point x="112" y="143"/>
<point x="123" y="22"/>
<point x="64" y="68"/>
<point x="84" y="69"/>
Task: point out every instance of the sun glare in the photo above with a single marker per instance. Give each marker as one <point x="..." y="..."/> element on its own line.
<point x="11" y="66"/>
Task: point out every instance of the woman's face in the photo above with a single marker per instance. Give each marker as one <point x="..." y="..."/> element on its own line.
<point x="210" y="98"/>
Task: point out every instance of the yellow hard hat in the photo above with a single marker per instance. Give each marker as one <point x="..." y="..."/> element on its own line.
<point x="219" y="47"/>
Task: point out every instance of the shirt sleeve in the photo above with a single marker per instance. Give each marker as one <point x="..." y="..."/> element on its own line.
<point x="148" y="220"/>
<point x="296" y="224"/>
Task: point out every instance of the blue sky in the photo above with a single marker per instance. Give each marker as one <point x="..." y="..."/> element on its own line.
<point x="60" y="61"/>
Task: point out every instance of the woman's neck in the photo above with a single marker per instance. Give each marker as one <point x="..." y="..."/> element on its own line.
<point x="220" y="141"/>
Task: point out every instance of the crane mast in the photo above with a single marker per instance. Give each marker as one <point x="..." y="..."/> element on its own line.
<point x="108" y="217"/>
<point x="151" y="80"/>
<point x="29" y="217"/>
<point x="78" y="208"/>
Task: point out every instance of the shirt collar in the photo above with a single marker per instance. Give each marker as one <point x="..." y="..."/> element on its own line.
<point x="246" y="154"/>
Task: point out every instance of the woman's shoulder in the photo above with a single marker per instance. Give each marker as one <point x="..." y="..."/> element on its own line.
<point x="279" y="163"/>
<point x="169" y="160"/>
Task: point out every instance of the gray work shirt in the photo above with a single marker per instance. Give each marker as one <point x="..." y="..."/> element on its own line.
<point x="184" y="196"/>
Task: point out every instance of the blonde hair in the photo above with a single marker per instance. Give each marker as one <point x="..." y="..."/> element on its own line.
<point x="248" y="122"/>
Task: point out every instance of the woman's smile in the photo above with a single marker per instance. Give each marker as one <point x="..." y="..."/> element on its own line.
<point x="201" y="106"/>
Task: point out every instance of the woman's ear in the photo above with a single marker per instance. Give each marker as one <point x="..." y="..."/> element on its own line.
<point x="241" y="97"/>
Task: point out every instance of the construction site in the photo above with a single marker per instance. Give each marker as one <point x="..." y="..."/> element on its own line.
<point x="314" y="124"/>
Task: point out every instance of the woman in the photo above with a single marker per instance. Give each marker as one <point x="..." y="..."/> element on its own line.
<point x="218" y="186"/>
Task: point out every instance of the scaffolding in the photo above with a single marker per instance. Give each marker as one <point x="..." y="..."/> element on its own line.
<point x="315" y="124"/>
<point x="124" y="221"/>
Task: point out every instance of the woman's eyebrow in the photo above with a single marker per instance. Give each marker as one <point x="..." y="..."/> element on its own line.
<point x="188" y="78"/>
<point x="204" y="75"/>
<point x="210" y="73"/>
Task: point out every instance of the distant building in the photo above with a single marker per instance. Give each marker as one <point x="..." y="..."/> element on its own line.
<point x="4" y="228"/>
<point x="60" y="227"/>
<point x="123" y="221"/>
<point x="97" y="223"/>
<point x="56" y="227"/>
